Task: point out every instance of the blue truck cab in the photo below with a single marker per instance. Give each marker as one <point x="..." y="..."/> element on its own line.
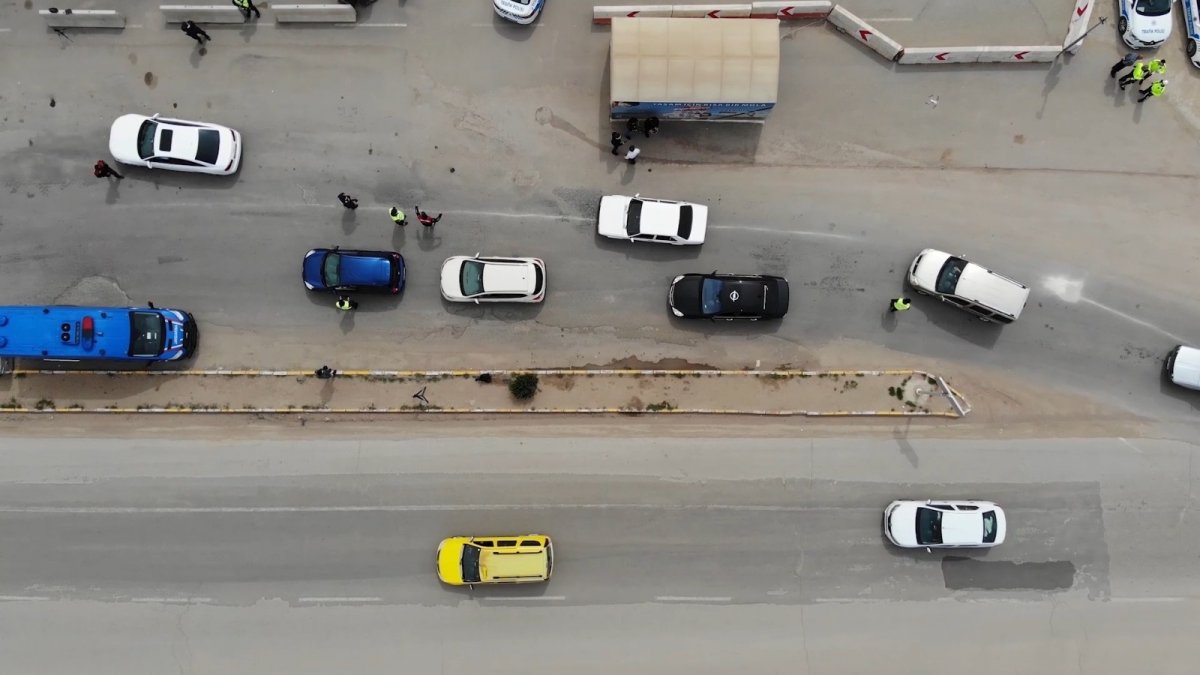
<point x="70" y="333"/>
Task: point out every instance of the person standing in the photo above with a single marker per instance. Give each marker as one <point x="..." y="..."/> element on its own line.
<point x="325" y="373"/>
<point x="1134" y="76"/>
<point x="347" y="201"/>
<point x="193" y="31"/>
<point x="424" y="218"/>
<point x="247" y="6"/>
<point x="633" y="153"/>
<point x="1157" y="67"/>
<point x="1155" y="89"/>
<point x="631" y="127"/>
<point x="616" y="141"/>
<point x="397" y="216"/>
<point x="900" y="304"/>
<point x="1126" y="61"/>
<point x="103" y="170"/>
<point x="650" y="127"/>
<point x="345" y="304"/>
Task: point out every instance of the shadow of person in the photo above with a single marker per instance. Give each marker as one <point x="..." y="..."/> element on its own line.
<point x="900" y="435"/>
<point x="349" y="221"/>
<point x="114" y="191"/>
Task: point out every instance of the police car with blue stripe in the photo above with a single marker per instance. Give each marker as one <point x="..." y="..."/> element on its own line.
<point x="1145" y="23"/>
<point x="1191" y="21"/>
<point x="519" y="11"/>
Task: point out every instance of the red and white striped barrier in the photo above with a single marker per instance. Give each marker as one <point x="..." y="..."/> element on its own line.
<point x="604" y="14"/>
<point x="860" y="30"/>
<point x="710" y="11"/>
<point x="789" y="11"/>
<point x="936" y="55"/>
<point x="1080" y="16"/>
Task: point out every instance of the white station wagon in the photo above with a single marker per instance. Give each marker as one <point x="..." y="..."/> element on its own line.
<point x="944" y="523"/>
<point x="488" y="279"/>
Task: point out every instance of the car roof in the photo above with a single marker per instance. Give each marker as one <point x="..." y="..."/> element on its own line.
<point x="982" y="285"/>
<point x="364" y="268"/>
<point x="512" y="563"/>
<point x="750" y="294"/>
<point x="962" y="527"/>
<point x="507" y="276"/>
<point x="659" y="218"/>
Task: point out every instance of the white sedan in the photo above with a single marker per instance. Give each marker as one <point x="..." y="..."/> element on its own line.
<point x="1145" y="23"/>
<point x="944" y="523"/>
<point x="484" y="279"/>
<point x="163" y="143"/>
<point x="639" y="218"/>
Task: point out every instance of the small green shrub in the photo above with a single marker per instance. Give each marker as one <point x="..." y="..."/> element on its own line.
<point x="523" y="386"/>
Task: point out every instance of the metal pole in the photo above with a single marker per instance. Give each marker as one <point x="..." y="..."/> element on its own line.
<point x="1103" y="20"/>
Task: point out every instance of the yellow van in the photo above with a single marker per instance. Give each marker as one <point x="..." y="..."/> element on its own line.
<point x="519" y="559"/>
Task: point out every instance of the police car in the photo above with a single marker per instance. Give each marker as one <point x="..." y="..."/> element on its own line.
<point x="1191" y="21"/>
<point x="519" y="11"/>
<point x="1145" y="23"/>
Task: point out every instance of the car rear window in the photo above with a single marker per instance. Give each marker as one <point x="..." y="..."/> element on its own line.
<point x="208" y="146"/>
<point x="685" y="221"/>
<point x="633" y="218"/>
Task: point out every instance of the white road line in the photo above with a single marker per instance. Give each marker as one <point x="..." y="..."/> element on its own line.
<point x="5" y="30"/>
<point x="173" y="601"/>
<point x="132" y="510"/>
<point x="691" y="598"/>
<point x="876" y="600"/>
<point x="341" y="599"/>
<point x="383" y="25"/>
<point x="544" y="216"/>
<point x="1148" y="599"/>
<point x="803" y="233"/>
<point x="1134" y="319"/>
<point x="17" y="598"/>
<point x="527" y="597"/>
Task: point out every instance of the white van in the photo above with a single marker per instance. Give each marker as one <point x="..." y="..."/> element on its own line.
<point x="952" y="279"/>
<point x="1183" y="366"/>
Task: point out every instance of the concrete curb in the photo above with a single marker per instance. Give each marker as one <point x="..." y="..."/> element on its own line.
<point x="429" y="374"/>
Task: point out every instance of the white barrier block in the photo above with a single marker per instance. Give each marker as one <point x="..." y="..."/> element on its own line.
<point x="201" y="13"/>
<point x="1080" y="17"/>
<point x="1035" y="54"/>
<point x="786" y="11"/>
<point x="604" y="14"/>
<point x="711" y="11"/>
<point x="934" y="55"/>
<point x="864" y="32"/>
<point x="314" y="13"/>
<point x="83" y="18"/>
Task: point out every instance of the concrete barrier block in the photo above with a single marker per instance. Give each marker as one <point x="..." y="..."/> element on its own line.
<point x="935" y="55"/>
<point x="314" y="13"/>
<point x="83" y="18"/>
<point x="849" y="23"/>
<point x="1034" y="54"/>
<point x="786" y="11"/>
<point x="201" y="13"/>
<point x="711" y="11"/>
<point x="604" y="14"/>
<point x="1081" y="15"/>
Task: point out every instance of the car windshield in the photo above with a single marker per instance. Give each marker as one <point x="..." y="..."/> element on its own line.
<point x="989" y="526"/>
<point x="929" y="526"/>
<point x="145" y="140"/>
<point x="470" y="563"/>
<point x="1153" y="7"/>
<point x="208" y="145"/>
<point x="947" y="279"/>
<point x="471" y="278"/>
<point x="633" y="218"/>
<point x="710" y="296"/>
<point x="147" y="332"/>
<point x="330" y="270"/>
<point x="685" y="221"/>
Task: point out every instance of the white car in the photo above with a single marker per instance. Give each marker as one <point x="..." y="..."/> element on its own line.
<point x="519" y="11"/>
<point x="163" y="143"/>
<point x="1145" y="23"/>
<point x="1191" y="22"/>
<point x="483" y="279"/>
<point x="638" y="218"/>
<point x="1183" y="366"/>
<point x="944" y="523"/>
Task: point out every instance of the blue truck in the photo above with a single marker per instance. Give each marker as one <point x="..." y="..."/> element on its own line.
<point x="71" y="333"/>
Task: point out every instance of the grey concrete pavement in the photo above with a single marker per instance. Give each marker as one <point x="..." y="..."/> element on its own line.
<point x="219" y="556"/>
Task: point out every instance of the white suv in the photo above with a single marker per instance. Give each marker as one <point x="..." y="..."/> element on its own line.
<point x="944" y="523"/>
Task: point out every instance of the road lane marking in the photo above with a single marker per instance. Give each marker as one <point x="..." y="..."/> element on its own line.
<point x="344" y="599"/>
<point x="1134" y="319"/>
<point x="692" y="598"/>
<point x="768" y="230"/>
<point x="133" y="510"/>
<point x="1147" y="599"/>
<point x="17" y="598"/>
<point x="527" y="597"/>
<point x="173" y="601"/>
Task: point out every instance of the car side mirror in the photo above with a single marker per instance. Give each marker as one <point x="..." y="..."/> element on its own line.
<point x="928" y="550"/>
<point x="150" y="304"/>
<point x="928" y="501"/>
<point x="155" y="116"/>
<point x="477" y="254"/>
<point x="477" y="301"/>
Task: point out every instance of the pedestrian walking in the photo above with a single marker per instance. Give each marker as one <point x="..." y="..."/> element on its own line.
<point x="1126" y="61"/>
<point x="424" y="218"/>
<point x="345" y="304"/>
<point x="616" y="141"/>
<point x="103" y="170"/>
<point x="347" y="201"/>
<point x="650" y="127"/>
<point x="193" y="31"/>
<point x="1134" y="76"/>
<point x="324" y="373"/>
<point x="899" y="304"/>
<point x="631" y="127"/>
<point x="397" y="216"/>
<point x="1155" y="89"/>
<point x="633" y="153"/>
<point x="1157" y="67"/>
<point x="247" y="6"/>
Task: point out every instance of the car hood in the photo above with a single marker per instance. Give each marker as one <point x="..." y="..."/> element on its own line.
<point x="611" y="222"/>
<point x="902" y="524"/>
<point x="925" y="268"/>
<point x="356" y="270"/>
<point x="313" y="260"/>
<point x="451" y="273"/>
<point x="122" y="139"/>
<point x="685" y="294"/>
<point x="516" y="8"/>
<point x="1150" y="28"/>
<point x="1186" y="370"/>
<point x="449" y="560"/>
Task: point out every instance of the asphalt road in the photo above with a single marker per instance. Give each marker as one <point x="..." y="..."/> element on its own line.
<point x="320" y="547"/>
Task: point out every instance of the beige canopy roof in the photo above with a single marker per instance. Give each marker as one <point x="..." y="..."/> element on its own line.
<point x="695" y="60"/>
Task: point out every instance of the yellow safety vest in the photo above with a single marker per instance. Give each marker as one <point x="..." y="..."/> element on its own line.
<point x="1157" y="89"/>
<point x="900" y="304"/>
<point x="397" y="215"/>
<point x="1139" y="71"/>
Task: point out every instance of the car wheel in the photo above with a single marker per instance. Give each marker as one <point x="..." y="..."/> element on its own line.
<point x="1191" y="48"/>
<point x="1122" y="26"/>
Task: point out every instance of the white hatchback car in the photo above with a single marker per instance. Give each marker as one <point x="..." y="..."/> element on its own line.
<point x="1145" y="23"/>
<point x="639" y="218"/>
<point x="163" y="143"/>
<point x="944" y="523"/>
<point x="483" y="279"/>
<point x="519" y="11"/>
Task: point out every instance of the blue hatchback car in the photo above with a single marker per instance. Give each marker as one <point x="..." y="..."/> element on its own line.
<point x="342" y="270"/>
